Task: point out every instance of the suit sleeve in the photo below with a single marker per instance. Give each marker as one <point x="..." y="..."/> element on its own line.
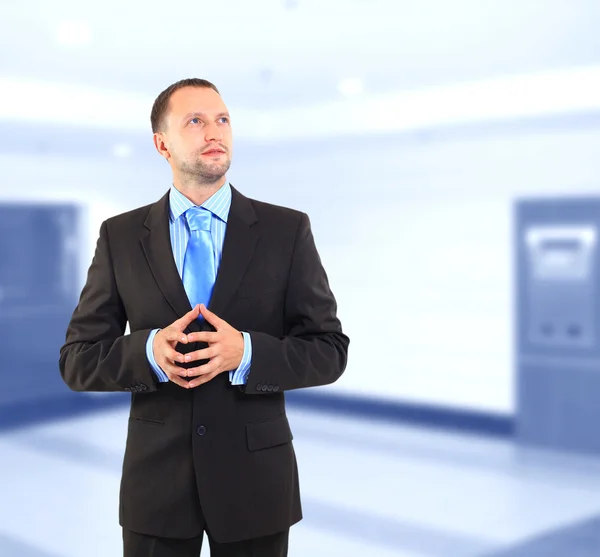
<point x="97" y="356"/>
<point x="314" y="349"/>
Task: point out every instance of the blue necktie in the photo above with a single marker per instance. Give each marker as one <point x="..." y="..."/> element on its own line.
<point x="199" y="272"/>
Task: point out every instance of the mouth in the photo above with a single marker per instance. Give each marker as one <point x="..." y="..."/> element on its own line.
<point x="213" y="153"/>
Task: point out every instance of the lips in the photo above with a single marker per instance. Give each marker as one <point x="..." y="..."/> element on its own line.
<point x="213" y="152"/>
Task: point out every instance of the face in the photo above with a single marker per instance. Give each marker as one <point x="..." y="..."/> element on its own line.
<point x="196" y="137"/>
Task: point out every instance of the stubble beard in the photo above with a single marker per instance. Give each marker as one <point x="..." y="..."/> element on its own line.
<point x="204" y="173"/>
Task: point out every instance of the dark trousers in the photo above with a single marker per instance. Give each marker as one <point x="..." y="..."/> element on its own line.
<point x="141" y="545"/>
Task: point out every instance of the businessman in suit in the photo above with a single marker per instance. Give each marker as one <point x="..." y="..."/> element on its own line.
<point x="229" y="307"/>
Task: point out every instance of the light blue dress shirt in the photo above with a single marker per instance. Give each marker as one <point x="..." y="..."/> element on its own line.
<point x="218" y="204"/>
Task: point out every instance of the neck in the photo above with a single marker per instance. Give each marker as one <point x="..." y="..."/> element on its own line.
<point x="198" y="192"/>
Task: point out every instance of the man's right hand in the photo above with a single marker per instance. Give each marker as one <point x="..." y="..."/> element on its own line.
<point x="164" y="344"/>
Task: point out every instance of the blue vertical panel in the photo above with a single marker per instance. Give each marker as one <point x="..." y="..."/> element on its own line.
<point x="557" y="323"/>
<point x="39" y="245"/>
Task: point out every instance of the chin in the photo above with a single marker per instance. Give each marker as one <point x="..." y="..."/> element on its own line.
<point x="218" y="170"/>
<point x="214" y="176"/>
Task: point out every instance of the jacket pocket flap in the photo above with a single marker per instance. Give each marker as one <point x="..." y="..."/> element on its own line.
<point x="268" y="434"/>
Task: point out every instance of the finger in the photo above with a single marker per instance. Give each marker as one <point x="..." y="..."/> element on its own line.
<point x="179" y="381"/>
<point x="169" y="367"/>
<point x="203" y="354"/>
<point x="213" y="366"/>
<point x="184" y="321"/>
<point x="202" y="380"/>
<point x="211" y="317"/>
<point x="205" y="336"/>
<point x="172" y="334"/>
<point x="165" y="349"/>
<point x="173" y="356"/>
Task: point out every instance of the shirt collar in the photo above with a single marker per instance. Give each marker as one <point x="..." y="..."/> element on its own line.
<point x="218" y="203"/>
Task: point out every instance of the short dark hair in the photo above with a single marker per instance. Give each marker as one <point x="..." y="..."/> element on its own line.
<point x="161" y="104"/>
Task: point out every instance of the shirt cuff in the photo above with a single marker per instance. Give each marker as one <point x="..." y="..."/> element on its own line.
<point x="162" y="376"/>
<point x="240" y="375"/>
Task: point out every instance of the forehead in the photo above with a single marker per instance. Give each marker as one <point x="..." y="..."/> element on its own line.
<point x="196" y="99"/>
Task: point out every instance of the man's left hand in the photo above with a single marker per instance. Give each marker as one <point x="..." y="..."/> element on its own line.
<point x="225" y="349"/>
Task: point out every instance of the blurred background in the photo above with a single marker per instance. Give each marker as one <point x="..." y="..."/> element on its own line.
<point x="447" y="155"/>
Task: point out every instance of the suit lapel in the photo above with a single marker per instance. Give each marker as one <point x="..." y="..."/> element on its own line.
<point x="156" y="243"/>
<point x="238" y="247"/>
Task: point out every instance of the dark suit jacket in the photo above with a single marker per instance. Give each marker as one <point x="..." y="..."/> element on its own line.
<point x="217" y="455"/>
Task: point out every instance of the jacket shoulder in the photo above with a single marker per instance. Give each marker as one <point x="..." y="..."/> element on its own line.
<point x="129" y="217"/>
<point x="277" y="213"/>
<point x="122" y="224"/>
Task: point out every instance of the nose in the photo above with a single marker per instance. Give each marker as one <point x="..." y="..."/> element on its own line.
<point x="213" y="133"/>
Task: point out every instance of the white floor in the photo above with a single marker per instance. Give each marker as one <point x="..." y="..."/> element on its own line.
<point x="369" y="489"/>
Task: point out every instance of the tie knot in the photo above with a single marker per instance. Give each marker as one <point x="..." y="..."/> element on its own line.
<point x="198" y="218"/>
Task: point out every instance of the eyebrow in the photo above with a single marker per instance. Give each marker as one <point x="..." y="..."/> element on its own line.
<point x="203" y="115"/>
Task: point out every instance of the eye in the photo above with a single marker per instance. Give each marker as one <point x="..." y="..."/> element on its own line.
<point x="195" y="121"/>
<point x="224" y="118"/>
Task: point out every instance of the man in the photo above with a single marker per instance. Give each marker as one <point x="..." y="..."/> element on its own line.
<point x="209" y="447"/>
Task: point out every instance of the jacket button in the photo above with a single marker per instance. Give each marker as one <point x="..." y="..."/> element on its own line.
<point x="275" y="388"/>
<point x="264" y="388"/>
<point x="259" y="387"/>
<point x="200" y="430"/>
<point x="143" y="386"/>
<point x="270" y="388"/>
<point x="127" y="389"/>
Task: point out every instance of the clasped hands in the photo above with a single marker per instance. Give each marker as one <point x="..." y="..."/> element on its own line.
<point x="225" y="349"/>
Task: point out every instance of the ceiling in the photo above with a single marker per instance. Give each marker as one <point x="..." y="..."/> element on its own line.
<point x="271" y="53"/>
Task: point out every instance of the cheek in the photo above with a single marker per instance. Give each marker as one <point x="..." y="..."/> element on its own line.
<point x="226" y="135"/>
<point x="188" y="147"/>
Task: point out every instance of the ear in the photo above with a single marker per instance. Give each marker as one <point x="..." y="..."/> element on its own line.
<point x="161" y="146"/>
